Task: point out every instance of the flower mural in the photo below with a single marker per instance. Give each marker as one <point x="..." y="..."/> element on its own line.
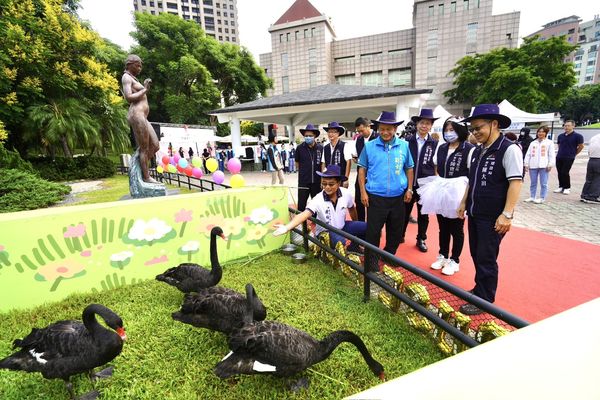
<point x="74" y="231"/>
<point x="149" y="231"/>
<point x="183" y="216"/>
<point x="261" y="215"/>
<point x="207" y="223"/>
<point x="3" y="256"/>
<point x="190" y="248"/>
<point x="121" y="259"/>
<point x="256" y="233"/>
<point x="233" y="227"/>
<point x="157" y="260"/>
<point x="57" y="271"/>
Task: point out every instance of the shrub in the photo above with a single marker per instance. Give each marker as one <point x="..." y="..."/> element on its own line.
<point x="66" y="169"/>
<point x="20" y="190"/>
<point x="12" y="160"/>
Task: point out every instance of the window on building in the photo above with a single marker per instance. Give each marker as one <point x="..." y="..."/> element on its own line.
<point x="591" y="62"/>
<point x="172" y="6"/>
<point x="218" y="5"/>
<point x="231" y="6"/>
<point x="226" y="30"/>
<point x="431" y="11"/>
<point x="135" y="7"/>
<point x="185" y="9"/>
<point x="143" y="2"/>
<point x="212" y="35"/>
<point x="225" y="14"/>
<point x="372" y="78"/>
<point x="227" y="23"/>
<point x="160" y="5"/>
<point x="220" y="30"/>
<point x="285" y="84"/>
<point x="399" y="77"/>
<point x="453" y="7"/>
<point x="312" y="79"/>
<point x="287" y="37"/>
<point x="346" y="59"/>
<point x="197" y="19"/>
<point x="472" y="38"/>
<point x="345" y="79"/>
<point x="209" y="21"/>
<point x="186" y="17"/>
<point x="312" y="57"/>
<point x="297" y="35"/>
<point x="370" y="56"/>
<point x="196" y="10"/>
<point x="152" y="4"/>
<point x="218" y="13"/>
<point x="193" y="2"/>
<point x="441" y="9"/>
<point x="227" y="38"/>
<point x="465" y="4"/>
<point x="220" y="38"/>
<point x="208" y="11"/>
<point x="592" y="56"/>
<point x="313" y="31"/>
<point x="231" y="15"/>
<point x="431" y="67"/>
<point x="589" y="78"/>
<point x="577" y="65"/>
<point x="284" y="60"/>
<point x="593" y="48"/>
<point x="590" y="70"/>
<point x="432" y="43"/>
<point x="398" y="52"/>
<point x="232" y="30"/>
<point x="281" y="38"/>
<point x="306" y="33"/>
<point x="208" y="2"/>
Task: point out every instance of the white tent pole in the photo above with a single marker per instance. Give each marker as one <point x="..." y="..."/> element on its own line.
<point x="236" y="134"/>
<point x="402" y="112"/>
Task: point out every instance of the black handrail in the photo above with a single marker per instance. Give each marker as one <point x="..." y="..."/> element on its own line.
<point x="178" y="178"/>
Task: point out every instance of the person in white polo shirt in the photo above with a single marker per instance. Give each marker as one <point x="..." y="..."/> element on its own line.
<point x="331" y="206"/>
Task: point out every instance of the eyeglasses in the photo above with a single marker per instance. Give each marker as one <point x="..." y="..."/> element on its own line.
<point x="477" y="128"/>
<point x="330" y="184"/>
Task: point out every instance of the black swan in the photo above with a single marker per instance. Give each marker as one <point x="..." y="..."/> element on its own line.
<point x="189" y="277"/>
<point x="67" y="348"/>
<point x="219" y="309"/>
<point x="275" y="348"/>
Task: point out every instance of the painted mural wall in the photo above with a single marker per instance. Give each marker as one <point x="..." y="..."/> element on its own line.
<point x="48" y="254"/>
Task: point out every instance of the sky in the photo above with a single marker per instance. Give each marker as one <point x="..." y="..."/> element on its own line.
<point x="112" y="19"/>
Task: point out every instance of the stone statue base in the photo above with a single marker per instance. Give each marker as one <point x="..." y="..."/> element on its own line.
<point x="137" y="187"/>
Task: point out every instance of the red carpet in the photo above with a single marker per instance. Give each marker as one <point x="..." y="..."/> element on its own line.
<point x="539" y="274"/>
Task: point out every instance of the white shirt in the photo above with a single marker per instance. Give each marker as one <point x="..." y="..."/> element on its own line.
<point x="324" y="211"/>
<point x="540" y="154"/>
<point x="594" y="147"/>
<point x="347" y="152"/>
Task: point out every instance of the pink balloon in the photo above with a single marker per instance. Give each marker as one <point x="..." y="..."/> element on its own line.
<point x="176" y="157"/>
<point x="234" y="165"/>
<point x="197" y="172"/>
<point x="218" y="177"/>
<point x="172" y="161"/>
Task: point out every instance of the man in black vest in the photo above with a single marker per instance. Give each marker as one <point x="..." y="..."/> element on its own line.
<point x="308" y="164"/>
<point x="336" y="152"/>
<point x="363" y="126"/>
<point x="422" y="148"/>
<point x="495" y="178"/>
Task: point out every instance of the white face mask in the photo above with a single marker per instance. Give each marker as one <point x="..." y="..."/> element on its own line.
<point x="450" y="136"/>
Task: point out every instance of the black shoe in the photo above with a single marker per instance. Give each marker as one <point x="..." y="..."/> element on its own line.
<point x="470" y="309"/>
<point x="422" y="246"/>
<point x="411" y="219"/>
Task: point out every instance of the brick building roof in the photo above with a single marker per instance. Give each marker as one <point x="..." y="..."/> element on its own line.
<point x="300" y="10"/>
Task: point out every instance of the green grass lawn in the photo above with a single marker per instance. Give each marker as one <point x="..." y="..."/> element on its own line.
<point x="164" y="359"/>
<point x="596" y="125"/>
<point x="114" y="188"/>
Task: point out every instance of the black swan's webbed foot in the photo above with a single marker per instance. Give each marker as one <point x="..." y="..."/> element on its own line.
<point x="298" y="385"/>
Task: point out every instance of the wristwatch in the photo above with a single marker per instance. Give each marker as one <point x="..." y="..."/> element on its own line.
<point x="410" y="190"/>
<point x="507" y="214"/>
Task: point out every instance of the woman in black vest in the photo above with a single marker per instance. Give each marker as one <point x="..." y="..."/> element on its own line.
<point x="451" y="161"/>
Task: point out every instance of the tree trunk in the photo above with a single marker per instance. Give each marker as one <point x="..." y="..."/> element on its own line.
<point x="65" y="147"/>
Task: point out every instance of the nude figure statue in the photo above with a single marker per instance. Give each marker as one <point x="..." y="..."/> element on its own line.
<point x="135" y="94"/>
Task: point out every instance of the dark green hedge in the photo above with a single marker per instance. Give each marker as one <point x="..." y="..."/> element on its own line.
<point x="68" y="169"/>
<point x="20" y="190"/>
<point x="12" y="160"/>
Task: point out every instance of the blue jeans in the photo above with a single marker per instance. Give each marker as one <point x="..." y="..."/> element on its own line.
<point x="354" y="228"/>
<point x="542" y="173"/>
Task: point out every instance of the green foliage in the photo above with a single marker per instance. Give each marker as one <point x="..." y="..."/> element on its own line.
<point x="582" y="103"/>
<point x="67" y="168"/>
<point x="164" y="359"/>
<point x="190" y="71"/>
<point x="20" y="190"/>
<point x="252" y="128"/>
<point x="532" y="77"/>
<point x="12" y="160"/>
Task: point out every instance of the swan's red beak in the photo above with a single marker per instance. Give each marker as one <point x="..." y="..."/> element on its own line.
<point x="223" y="236"/>
<point x="121" y="333"/>
<point x="382" y="376"/>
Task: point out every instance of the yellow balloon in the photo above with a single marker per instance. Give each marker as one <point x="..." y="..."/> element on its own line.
<point x="237" y="181"/>
<point x="159" y="169"/>
<point x="212" y="164"/>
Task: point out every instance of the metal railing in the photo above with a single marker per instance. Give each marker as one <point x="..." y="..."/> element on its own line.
<point x="180" y="180"/>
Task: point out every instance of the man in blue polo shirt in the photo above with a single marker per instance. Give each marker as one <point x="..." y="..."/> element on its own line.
<point x="385" y="176"/>
<point x="570" y="143"/>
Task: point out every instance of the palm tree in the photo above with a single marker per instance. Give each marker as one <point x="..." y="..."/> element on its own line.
<point x="114" y="130"/>
<point x="62" y="123"/>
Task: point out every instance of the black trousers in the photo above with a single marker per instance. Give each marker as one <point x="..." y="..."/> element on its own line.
<point x="422" y="219"/>
<point x="563" y="167"/>
<point x="360" y="208"/>
<point x="388" y="211"/>
<point x="484" y="243"/>
<point x="306" y="190"/>
<point x="591" y="188"/>
<point x="451" y="228"/>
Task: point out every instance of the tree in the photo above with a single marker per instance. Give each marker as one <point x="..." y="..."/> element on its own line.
<point x="582" y="103"/>
<point x="533" y="76"/>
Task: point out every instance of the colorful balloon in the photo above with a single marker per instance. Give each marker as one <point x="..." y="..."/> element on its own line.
<point x="188" y="170"/>
<point x="237" y="181"/>
<point x="212" y="164"/>
<point x="182" y="163"/>
<point x="171" y="168"/>
<point x="159" y="169"/>
<point x="165" y="160"/>
<point x="197" y="172"/>
<point x="172" y="161"/>
<point x="196" y="162"/>
<point x="179" y="168"/>
<point x="176" y="157"/>
<point x="218" y="177"/>
<point x="234" y="165"/>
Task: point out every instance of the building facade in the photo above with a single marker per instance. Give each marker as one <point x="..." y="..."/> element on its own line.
<point x="306" y="53"/>
<point x="587" y="36"/>
<point x="218" y="18"/>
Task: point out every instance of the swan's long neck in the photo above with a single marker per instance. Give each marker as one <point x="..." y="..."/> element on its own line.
<point x="216" y="270"/>
<point x="89" y="319"/>
<point x="333" y="340"/>
<point x="249" y="312"/>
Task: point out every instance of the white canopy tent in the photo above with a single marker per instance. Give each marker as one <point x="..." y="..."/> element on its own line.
<point x="519" y="116"/>
<point x="441" y="113"/>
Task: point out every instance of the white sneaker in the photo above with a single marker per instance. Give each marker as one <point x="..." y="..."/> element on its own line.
<point x="451" y="268"/>
<point x="440" y="262"/>
<point x="566" y="191"/>
<point x="559" y="190"/>
<point x="538" y="201"/>
<point x="529" y="200"/>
